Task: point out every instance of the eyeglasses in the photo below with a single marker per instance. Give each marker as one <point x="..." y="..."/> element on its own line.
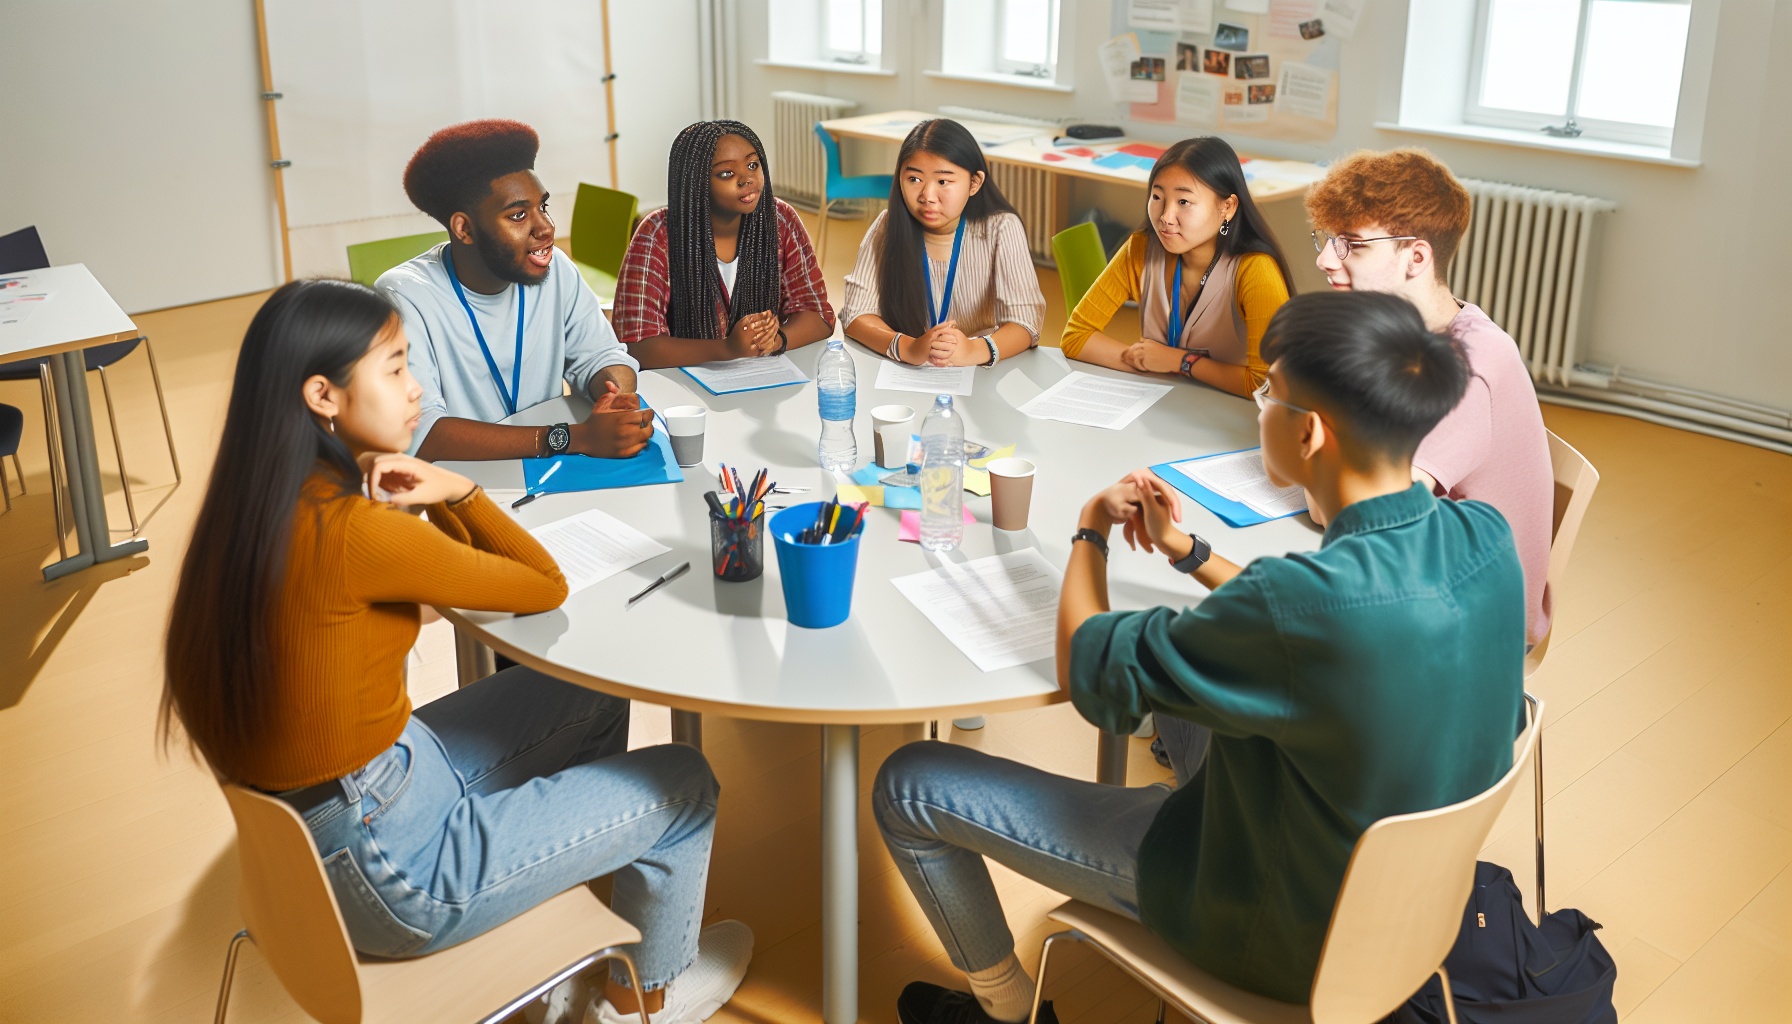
<point x="1343" y="247"/>
<point x="1263" y="398"/>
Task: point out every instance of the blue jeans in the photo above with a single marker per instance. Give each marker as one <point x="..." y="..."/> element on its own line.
<point x="1185" y="742"/>
<point x="504" y="794"/>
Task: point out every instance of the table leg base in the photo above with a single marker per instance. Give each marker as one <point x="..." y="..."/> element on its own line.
<point x="75" y="563"/>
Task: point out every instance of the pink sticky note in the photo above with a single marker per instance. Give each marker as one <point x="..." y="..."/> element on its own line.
<point x="1053" y="157"/>
<point x="911" y="525"/>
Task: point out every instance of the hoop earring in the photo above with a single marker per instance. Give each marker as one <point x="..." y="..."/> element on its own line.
<point x="1225" y="225"/>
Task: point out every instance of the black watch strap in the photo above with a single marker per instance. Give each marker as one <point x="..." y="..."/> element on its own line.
<point x="1197" y="556"/>
<point x="1094" y="537"/>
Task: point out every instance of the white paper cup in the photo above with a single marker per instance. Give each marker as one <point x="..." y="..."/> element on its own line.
<point x="685" y="425"/>
<point x="1010" y="492"/>
<point x="887" y="422"/>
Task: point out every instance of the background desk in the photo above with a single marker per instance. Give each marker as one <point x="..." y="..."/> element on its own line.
<point x="700" y="645"/>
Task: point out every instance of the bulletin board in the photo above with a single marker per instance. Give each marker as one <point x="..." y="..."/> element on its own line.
<point x="1261" y="68"/>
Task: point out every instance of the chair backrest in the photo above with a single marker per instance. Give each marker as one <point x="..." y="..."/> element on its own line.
<point x="1081" y="260"/>
<point x="830" y="149"/>
<point x="603" y="220"/>
<point x="1575" y="481"/>
<point x="367" y="261"/>
<point x="1400" y="907"/>
<point x="289" y="910"/>
<point x="22" y="250"/>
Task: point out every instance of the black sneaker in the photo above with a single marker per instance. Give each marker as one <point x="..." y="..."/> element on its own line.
<point x="922" y="1003"/>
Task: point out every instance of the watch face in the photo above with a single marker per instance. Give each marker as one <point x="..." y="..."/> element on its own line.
<point x="559" y="438"/>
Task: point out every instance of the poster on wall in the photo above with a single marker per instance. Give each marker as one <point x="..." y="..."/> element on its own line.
<point x="1263" y="68"/>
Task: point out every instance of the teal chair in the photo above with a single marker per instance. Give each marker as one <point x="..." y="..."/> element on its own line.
<point x="367" y="261"/>
<point x="603" y="221"/>
<point x="839" y="186"/>
<point x="1081" y="260"/>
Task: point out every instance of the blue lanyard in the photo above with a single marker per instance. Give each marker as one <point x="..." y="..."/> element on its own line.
<point x="516" y="368"/>
<point x="1176" y="299"/>
<point x="951" y="273"/>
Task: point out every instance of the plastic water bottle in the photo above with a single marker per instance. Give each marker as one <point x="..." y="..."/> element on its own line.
<point x="942" y="477"/>
<point x="838" y="385"/>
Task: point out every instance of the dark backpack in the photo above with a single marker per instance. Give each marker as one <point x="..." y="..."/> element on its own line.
<point x="1505" y="970"/>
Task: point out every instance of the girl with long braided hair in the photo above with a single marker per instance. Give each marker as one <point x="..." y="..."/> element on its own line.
<point x="726" y="270"/>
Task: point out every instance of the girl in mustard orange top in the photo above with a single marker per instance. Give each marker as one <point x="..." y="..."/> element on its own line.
<point x="297" y="602"/>
<point x="1205" y="270"/>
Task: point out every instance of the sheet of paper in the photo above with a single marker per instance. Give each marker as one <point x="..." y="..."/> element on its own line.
<point x="911" y="525"/>
<point x="1095" y="401"/>
<point x="594" y="545"/>
<point x="1241" y="477"/>
<point x="1117" y="55"/>
<point x="1154" y="15"/>
<point x="1198" y="99"/>
<point x="1001" y="611"/>
<point x="20" y="296"/>
<point x="930" y="380"/>
<point x="976" y="477"/>
<point x="749" y="374"/>
<point x="1340" y="16"/>
<point x="1196" y="15"/>
<point x="1303" y="90"/>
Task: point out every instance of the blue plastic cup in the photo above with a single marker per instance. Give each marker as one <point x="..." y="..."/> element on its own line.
<point x="817" y="578"/>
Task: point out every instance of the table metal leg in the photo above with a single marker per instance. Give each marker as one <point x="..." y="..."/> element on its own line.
<point x="687" y="727"/>
<point x="473" y="660"/>
<point x="87" y="499"/>
<point x="1110" y="759"/>
<point x="839" y="874"/>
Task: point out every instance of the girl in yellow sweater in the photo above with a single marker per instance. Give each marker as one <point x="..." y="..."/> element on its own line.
<point x="1205" y="270"/>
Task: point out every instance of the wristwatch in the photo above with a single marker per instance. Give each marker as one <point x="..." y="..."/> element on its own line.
<point x="558" y="438"/>
<point x="1196" y="558"/>
<point x="1189" y="359"/>
<point x="1094" y="537"/>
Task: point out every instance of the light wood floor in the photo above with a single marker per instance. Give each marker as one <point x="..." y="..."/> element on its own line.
<point x="1669" y="750"/>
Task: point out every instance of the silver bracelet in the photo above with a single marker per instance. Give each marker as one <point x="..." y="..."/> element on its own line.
<point x="894" y="350"/>
<point x="995" y="354"/>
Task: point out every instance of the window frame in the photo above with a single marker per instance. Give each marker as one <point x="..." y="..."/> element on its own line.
<point x="861" y="57"/>
<point x="1027" y="69"/>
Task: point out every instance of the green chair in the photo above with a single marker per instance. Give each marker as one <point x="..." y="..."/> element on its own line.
<point x="603" y="221"/>
<point x="367" y="261"/>
<point x="1081" y="260"/>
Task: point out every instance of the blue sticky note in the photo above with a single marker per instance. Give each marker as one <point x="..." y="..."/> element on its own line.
<point x="902" y="497"/>
<point x="653" y="464"/>
<point x="869" y="475"/>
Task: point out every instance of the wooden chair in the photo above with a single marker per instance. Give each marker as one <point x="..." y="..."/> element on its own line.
<point x="1396" y="918"/>
<point x="293" y="919"/>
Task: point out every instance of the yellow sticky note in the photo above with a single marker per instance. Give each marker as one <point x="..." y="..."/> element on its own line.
<point x="977" y="481"/>
<point x="854" y="494"/>
<point x="999" y="453"/>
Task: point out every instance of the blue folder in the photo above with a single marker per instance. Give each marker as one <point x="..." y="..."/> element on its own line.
<point x="653" y="464"/>
<point x="1232" y="512"/>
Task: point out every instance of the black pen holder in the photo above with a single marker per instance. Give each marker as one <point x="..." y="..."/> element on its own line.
<point x="737" y="547"/>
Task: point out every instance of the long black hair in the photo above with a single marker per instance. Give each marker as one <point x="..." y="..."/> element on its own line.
<point x="1215" y="164"/>
<point x="901" y="290"/>
<point x="218" y="653"/>
<point x="691" y="238"/>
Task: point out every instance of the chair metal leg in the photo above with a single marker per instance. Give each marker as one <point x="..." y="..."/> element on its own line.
<point x="236" y="943"/>
<point x="634" y="982"/>
<point x="53" y="440"/>
<point x="1449" y="998"/>
<point x="1045" y="954"/>
<point x="167" y="427"/>
<point x="1537" y="786"/>
<point x="4" y="489"/>
<point x="1163" y="1008"/>
<point x="124" y="476"/>
<point x="20" y="470"/>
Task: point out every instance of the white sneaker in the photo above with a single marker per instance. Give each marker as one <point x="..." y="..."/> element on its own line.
<point x="724" y="950"/>
<point x="561" y="1004"/>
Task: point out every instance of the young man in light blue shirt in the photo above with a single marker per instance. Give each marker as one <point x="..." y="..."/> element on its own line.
<point x="497" y="318"/>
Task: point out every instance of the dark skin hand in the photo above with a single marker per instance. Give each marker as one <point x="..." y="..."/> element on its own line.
<point x="514" y="221"/>
<point x="736" y="185"/>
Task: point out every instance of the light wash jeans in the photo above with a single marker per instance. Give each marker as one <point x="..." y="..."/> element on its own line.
<point x="942" y="808"/>
<point x="504" y="794"/>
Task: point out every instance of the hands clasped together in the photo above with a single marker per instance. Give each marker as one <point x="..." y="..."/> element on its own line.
<point x="946" y="345"/>
<point x="755" y="334"/>
<point x="1152" y="357"/>
<point x="1147" y="509"/>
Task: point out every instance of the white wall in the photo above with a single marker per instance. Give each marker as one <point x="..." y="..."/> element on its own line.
<point x="132" y="135"/>
<point x="653" y="50"/>
<point x="1691" y="262"/>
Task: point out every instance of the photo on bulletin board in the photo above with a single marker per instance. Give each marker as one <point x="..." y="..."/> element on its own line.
<point x="1227" y="36"/>
<point x="1217" y="62"/>
<point x="1188" y="57"/>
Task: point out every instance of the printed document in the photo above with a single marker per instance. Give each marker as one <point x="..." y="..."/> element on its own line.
<point x="749" y="374"/>
<point x="1095" y="401"/>
<point x="594" y="545"/>
<point x="1001" y="611"/>
<point x="931" y="380"/>
<point x="20" y="296"/>
<point x="1241" y="477"/>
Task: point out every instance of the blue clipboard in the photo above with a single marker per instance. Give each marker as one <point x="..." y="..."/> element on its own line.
<point x="1231" y="512"/>
<point x="653" y="464"/>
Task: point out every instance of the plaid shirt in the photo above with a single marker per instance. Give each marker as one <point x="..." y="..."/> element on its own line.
<point x="644" y="293"/>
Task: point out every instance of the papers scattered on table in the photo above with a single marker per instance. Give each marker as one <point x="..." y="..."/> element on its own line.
<point x="929" y="380"/>
<point x="594" y="545"/>
<point x="750" y="374"/>
<point x="1240" y="476"/>
<point x="1001" y="611"/>
<point x="19" y="298"/>
<point x="1095" y="401"/>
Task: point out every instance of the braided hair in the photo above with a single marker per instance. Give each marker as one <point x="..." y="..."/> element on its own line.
<point x="691" y="242"/>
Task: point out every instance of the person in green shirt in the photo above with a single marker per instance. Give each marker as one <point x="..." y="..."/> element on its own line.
<point x="1379" y="675"/>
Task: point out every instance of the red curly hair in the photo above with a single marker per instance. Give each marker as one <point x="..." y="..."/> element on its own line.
<point x="1406" y="191"/>
<point x="454" y="169"/>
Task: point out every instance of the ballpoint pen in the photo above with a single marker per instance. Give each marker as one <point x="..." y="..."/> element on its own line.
<point x="532" y="495"/>
<point x="671" y="574"/>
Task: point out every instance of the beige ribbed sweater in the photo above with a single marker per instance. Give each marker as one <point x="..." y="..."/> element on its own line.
<point x="348" y="614"/>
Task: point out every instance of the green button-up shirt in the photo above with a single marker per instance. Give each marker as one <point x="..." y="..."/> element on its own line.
<point x="1381" y="675"/>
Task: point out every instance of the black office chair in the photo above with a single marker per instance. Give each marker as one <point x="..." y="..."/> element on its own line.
<point x="21" y="251"/>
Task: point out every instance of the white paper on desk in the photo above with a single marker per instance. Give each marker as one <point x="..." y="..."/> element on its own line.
<point x="1117" y="55"/>
<point x="1095" y="401"/>
<point x="1340" y="16"/>
<point x="748" y="374"/>
<point x="594" y="545"/>
<point x="1303" y="90"/>
<point x="1198" y="99"/>
<point x="930" y="380"/>
<point x="1001" y="611"/>
<point x="1241" y="477"/>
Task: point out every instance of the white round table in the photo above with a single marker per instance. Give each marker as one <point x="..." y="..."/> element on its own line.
<point x="701" y="645"/>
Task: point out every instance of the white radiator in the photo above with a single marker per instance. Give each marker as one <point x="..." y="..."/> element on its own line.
<point x="1031" y="190"/>
<point x="799" y="167"/>
<point x="1524" y="261"/>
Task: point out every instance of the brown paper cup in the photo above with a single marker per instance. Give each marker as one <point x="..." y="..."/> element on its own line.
<point x="1010" y="492"/>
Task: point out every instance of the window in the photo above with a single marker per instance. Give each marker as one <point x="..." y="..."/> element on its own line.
<point x="1027" y="38"/>
<point x="1011" y="42"/>
<point x="852" y="31"/>
<point x="1606" y="69"/>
